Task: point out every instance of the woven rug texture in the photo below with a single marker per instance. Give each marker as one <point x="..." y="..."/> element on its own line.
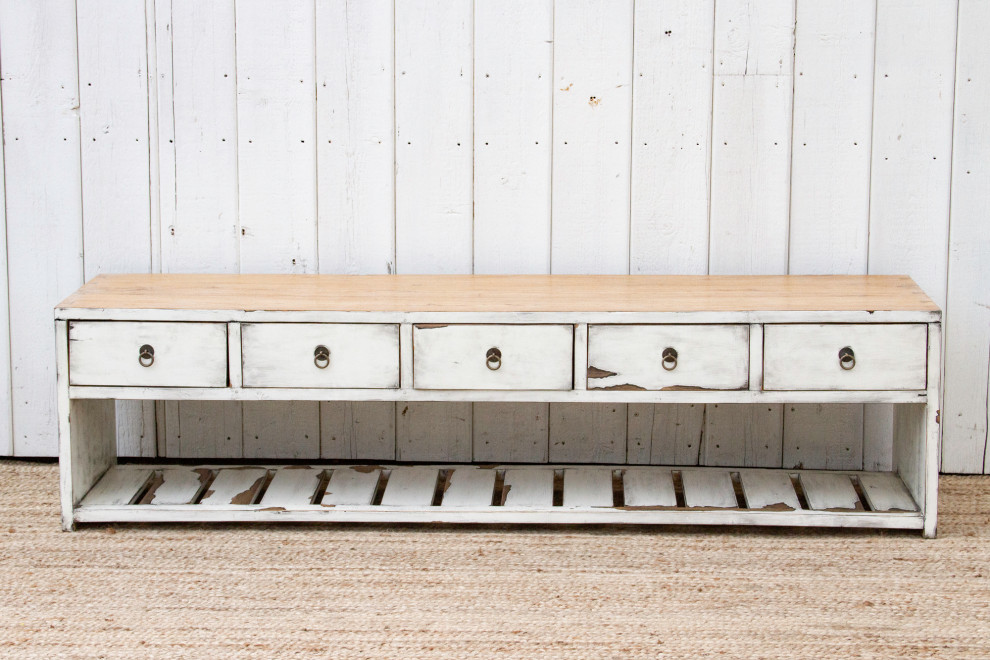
<point x="414" y="591"/>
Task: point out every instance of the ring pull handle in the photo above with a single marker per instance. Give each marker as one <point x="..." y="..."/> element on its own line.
<point x="847" y="358"/>
<point x="321" y="357"/>
<point x="669" y="358"/>
<point x="146" y="355"/>
<point x="493" y="358"/>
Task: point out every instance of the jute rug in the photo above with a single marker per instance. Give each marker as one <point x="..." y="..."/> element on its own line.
<point x="374" y="591"/>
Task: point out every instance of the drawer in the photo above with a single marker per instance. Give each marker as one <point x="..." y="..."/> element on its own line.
<point x="493" y="357"/>
<point x="873" y="357"/>
<point x="148" y="354"/>
<point x="668" y="357"/>
<point x="336" y="355"/>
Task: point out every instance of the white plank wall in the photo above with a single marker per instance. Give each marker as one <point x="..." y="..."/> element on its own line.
<point x="595" y="136"/>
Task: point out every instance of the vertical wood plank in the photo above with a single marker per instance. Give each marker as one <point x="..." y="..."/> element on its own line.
<point x="433" y="186"/>
<point x="967" y="323"/>
<point x="276" y="165"/>
<point x="592" y="115"/>
<point x="910" y="167"/>
<point x="433" y="114"/>
<point x="823" y="436"/>
<point x="513" y="67"/>
<point x="43" y="205"/>
<point x="114" y="156"/>
<point x="511" y="432"/>
<point x="6" y="427"/>
<point x="355" y="185"/>
<point x="743" y="435"/>
<point x="671" y="158"/>
<point x="197" y="125"/>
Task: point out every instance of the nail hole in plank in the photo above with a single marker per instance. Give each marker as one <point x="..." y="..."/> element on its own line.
<point x="618" y="494"/>
<point x="675" y="475"/>
<point x="380" y="488"/>
<point x="558" y="488"/>
<point x="799" y="491"/>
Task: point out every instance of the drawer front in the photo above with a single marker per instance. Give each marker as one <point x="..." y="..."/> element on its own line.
<point x="668" y="357"/>
<point x="356" y="355"/>
<point x="880" y="357"/>
<point x="463" y="357"/>
<point x="180" y="355"/>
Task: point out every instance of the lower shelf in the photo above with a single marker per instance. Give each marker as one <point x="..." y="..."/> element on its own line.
<point x="500" y="494"/>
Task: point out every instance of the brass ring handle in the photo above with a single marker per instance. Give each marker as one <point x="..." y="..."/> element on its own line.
<point x="493" y="358"/>
<point x="146" y="355"/>
<point x="321" y="357"/>
<point x="847" y="358"/>
<point x="669" y="359"/>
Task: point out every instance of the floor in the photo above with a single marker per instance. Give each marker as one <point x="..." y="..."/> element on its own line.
<point x="376" y="591"/>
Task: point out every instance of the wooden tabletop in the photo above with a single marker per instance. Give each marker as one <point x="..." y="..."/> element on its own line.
<point x="503" y="293"/>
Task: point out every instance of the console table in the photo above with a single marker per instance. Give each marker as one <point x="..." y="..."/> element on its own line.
<point x="634" y="339"/>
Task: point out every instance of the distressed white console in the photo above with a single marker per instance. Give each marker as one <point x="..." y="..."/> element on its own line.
<point x="645" y="339"/>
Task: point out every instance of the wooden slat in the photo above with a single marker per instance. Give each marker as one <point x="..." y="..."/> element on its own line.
<point x="468" y="486"/>
<point x="648" y="487"/>
<point x="235" y="486"/>
<point x="884" y="491"/>
<point x="410" y="486"/>
<point x="708" y="488"/>
<point x="502" y="293"/>
<point x="825" y="491"/>
<point x="178" y="486"/>
<point x="117" y="487"/>
<point x="352" y="485"/>
<point x="587" y="487"/>
<point x="768" y="489"/>
<point x="292" y="486"/>
<point x="281" y="429"/>
<point x="823" y="436"/>
<point x="528" y="488"/>
<point x="748" y="435"/>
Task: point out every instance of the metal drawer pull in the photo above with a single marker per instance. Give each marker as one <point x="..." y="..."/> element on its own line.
<point x="847" y="358"/>
<point x="146" y="355"/>
<point x="493" y="359"/>
<point x="669" y="358"/>
<point x="321" y="357"/>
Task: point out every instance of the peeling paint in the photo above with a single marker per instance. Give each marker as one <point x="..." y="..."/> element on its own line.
<point x="247" y="496"/>
<point x="595" y="372"/>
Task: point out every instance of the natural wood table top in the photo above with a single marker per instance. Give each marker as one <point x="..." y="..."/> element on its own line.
<point x="502" y="293"/>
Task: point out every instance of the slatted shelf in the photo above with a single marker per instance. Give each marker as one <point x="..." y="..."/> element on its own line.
<point x="471" y="493"/>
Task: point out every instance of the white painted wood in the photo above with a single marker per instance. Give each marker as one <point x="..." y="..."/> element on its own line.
<point x="513" y="75"/>
<point x="885" y="491"/>
<point x="631" y="356"/>
<point x="6" y="427"/>
<point x="351" y="485"/>
<point x="527" y="488"/>
<point x="283" y="355"/>
<point x="276" y="136"/>
<point x="768" y="489"/>
<point x="292" y="486"/>
<point x="708" y="488"/>
<point x="281" y="429"/>
<point x="833" y="117"/>
<point x="751" y="136"/>
<point x="933" y="432"/>
<point x="887" y="357"/>
<point x="823" y="436"/>
<point x="355" y="135"/>
<point x="433" y="431"/>
<point x="587" y="487"/>
<point x="117" y="487"/>
<point x="43" y="203"/>
<point x="536" y="357"/>
<point x="671" y="137"/>
<point x="202" y="428"/>
<point x="829" y="491"/>
<point x="592" y="115"/>
<point x="967" y="325"/>
<point x="909" y="451"/>
<point x="743" y="435"/>
<point x="433" y="156"/>
<point x="234" y="486"/>
<point x="469" y="486"/>
<point x="185" y="354"/>
<point x="756" y="356"/>
<point x="677" y="434"/>
<point x="178" y="486"/>
<point x="644" y="487"/>
<point x="357" y="430"/>
<point x="410" y="486"/>
<point x="588" y="434"/>
<point x="511" y="433"/>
